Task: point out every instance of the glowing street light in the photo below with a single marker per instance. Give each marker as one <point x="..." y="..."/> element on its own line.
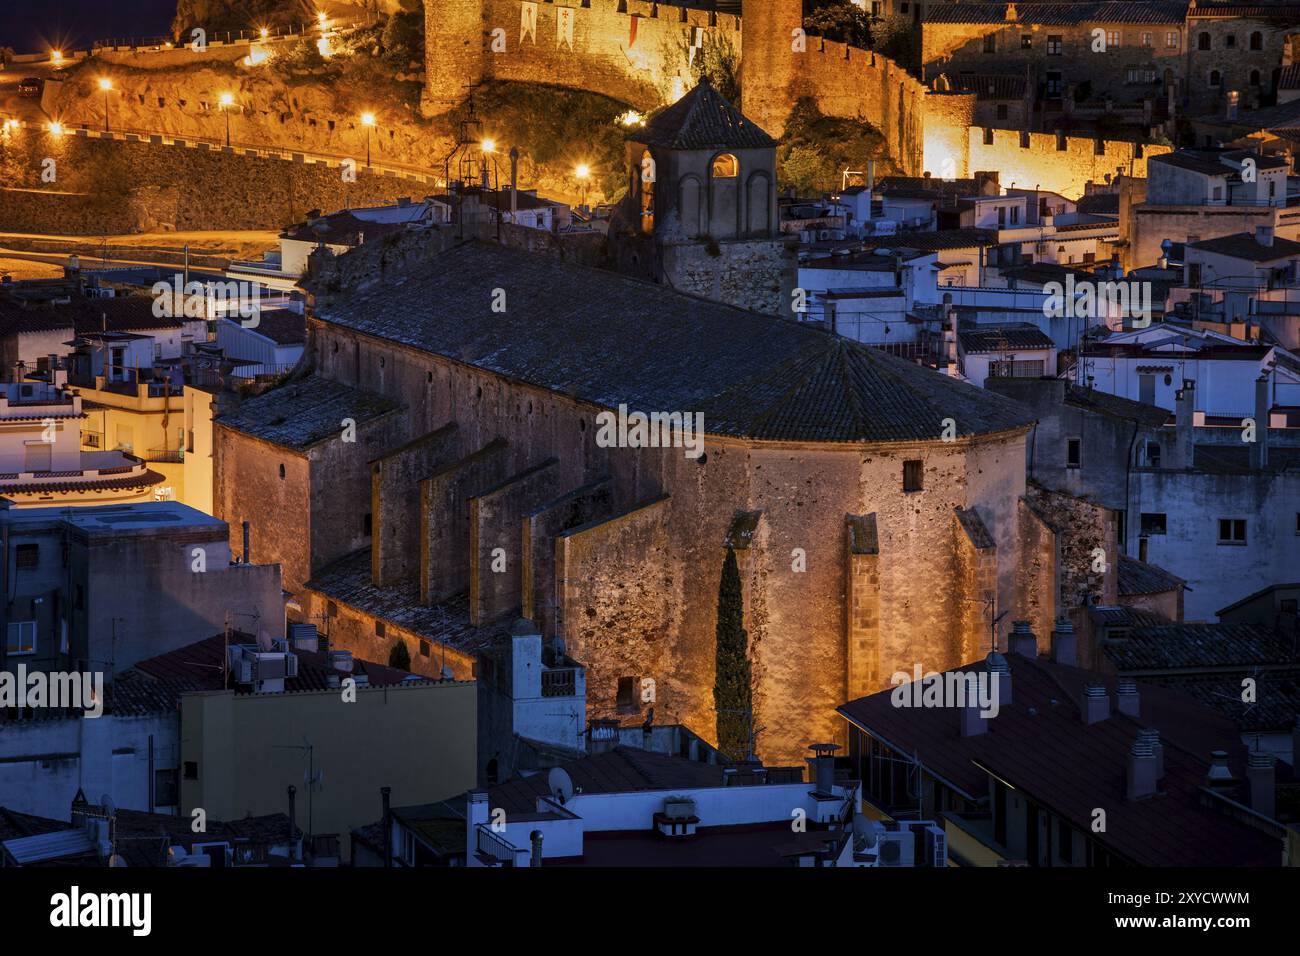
<point x="106" y="85"/>
<point x="264" y="32"/>
<point x="56" y="129"/>
<point x="489" y="145"/>
<point x="56" y="56"/>
<point x="583" y="173"/>
<point x="367" y="120"/>
<point x="227" y="100"/>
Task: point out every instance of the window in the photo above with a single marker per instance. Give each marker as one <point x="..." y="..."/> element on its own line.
<point x="1054" y="84"/>
<point x="1060" y="141"/>
<point x="627" y="695"/>
<point x="1015" y="215"/>
<point x="1152" y="523"/>
<point x="1171" y="40"/>
<point x="22" y="637"/>
<point x="1148" y="39"/>
<point x="425" y="648"/>
<point x="726" y="166"/>
<point x="368" y="524"/>
<point x="1073" y="452"/>
<point x="1232" y="531"/>
<point x="1026" y="41"/>
<point x="1230" y="41"/>
<point x="1112" y="39"/>
<point x="1017" y="368"/>
<point x="1216" y="78"/>
<point x="1203" y="41"/>
<point x="282" y="472"/>
<point x="191" y="770"/>
<point x="1054" y="46"/>
<point x="991" y="43"/>
<point x="28" y="555"/>
<point x="1257" y="41"/>
<point x="379" y="628"/>
<point x="1153" y="455"/>
<point x="913" y="475"/>
<point x="988" y="136"/>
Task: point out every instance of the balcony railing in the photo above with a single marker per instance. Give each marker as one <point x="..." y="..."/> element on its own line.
<point x="165" y="454"/>
<point x="489" y="844"/>
<point x="561" y="682"/>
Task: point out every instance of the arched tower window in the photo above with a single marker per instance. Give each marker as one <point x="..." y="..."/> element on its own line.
<point x="726" y="166"/>
<point x="647" y="193"/>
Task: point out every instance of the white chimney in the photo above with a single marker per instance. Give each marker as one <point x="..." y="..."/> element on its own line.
<point x="1153" y="737"/>
<point x="1264" y="235"/>
<point x="1127" y="700"/>
<point x="1095" y="704"/>
<point x="1022" y="640"/>
<point x="1261" y="775"/>
<point x="1065" y="644"/>
<point x="1000" y="671"/>
<point x="1219" y="775"/>
<point x="1184" y="423"/>
<point x="1263" y="411"/>
<point x="1142" y="770"/>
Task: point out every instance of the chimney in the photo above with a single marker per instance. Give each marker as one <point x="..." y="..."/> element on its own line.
<point x="823" y="761"/>
<point x="536" y="858"/>
<point x="602" y="736"/>
<point x="385" y="794"/>
<point x="1065" y="644"/>
<point x="871" y="178"/>
<point x="1142" y="770"/>
<point x="1095" y="705"/>
<point x="247" y="550"/>
<point x="972" y="722"/>
<point x="1261" y="775"/>
<point x="1023" y="641"/>
<point x="293" y="822"/>
<point x="1127" y="700"/>
<point x="1219" y="776"/>
<point x="1184" y="424"/>
<point x="476" y="816"/>
<point x="1264" y="235"/>
<point x="1000" y="671"/>
<point x="1153" y="736"/>
<point x="1263" y="408"/>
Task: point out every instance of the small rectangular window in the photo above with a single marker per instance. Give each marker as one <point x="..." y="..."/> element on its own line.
<point x="368" y="524"/>
<point x="991" y="43"/>
<point x="627" y="695"/>
<point x="424" y="648"/>
<point x="913" y="475"/>
<point x="1054" y="46"/>
<point x="1153" y="523"/>
<point x="1026" y="41"/>
<point x="27" y="555"/>
<point x="1232" y="531"/>
<point x="191" y="770"/>
<point x="22" y="637"/>
<point x="379" y="628"/>
<point x="1073" y="452"/>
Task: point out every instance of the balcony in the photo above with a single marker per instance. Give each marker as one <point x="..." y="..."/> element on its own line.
<point x="173" y="455"/>
<point x="559" y="683"/>
<point x="494" y="850"/>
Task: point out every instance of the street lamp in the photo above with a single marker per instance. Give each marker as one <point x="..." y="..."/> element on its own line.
<point x="56" y="57"/>
<point x="227" y="100"/>
<point x="106" y="85"/>
<point x="367" y="120"/>
<point x="56" y="128"/>
<point x="583" y="172"/>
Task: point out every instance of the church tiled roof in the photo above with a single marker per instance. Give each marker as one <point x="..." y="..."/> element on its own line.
<point x="608" y="339"/>
<point x="702" y="119"/>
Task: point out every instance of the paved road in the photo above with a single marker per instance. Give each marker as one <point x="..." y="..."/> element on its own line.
<point x="26" y="108"/>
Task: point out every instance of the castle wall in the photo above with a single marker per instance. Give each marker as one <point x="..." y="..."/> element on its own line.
<point x="541" y="528"/>
<point x="1062" y="164"/>
<point x="495" y="520"/>
<point x="395" y="479"/>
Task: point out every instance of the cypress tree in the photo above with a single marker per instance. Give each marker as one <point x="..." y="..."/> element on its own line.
<point x="399" y="656"/>
<point x="733" y="695"/>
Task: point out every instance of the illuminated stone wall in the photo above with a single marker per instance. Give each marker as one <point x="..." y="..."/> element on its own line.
<point x="1026" y="160"/>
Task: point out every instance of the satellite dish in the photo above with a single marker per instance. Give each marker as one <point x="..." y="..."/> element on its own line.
<point x="864" y="830"/>
<point x="561" y="784"/>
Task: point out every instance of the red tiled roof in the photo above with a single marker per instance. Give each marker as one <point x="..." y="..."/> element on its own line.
<point x="1040" y="745"/>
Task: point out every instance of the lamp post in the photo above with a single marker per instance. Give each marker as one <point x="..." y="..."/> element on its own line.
<point x="106" y="85"/>
<point x="583" y="173"/>
<point x="367" y="120"/>
<point x="489" y="148"/>
<point x="227" y="100"/>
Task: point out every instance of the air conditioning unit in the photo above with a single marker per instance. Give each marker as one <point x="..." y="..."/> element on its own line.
<point x="269" y="667"/>
<point x="243" y="669"/>
<point x="936" y="847"/>
<point x="291" y="665"/>
<point x="896" y="848"/>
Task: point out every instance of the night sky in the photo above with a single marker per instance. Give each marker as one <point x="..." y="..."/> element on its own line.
<point x="33" y="25"/>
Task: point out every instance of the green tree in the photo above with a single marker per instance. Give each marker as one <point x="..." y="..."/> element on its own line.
<point x="839" y="20"/>
<point x="399" y="657"/>
<point x="403" y="38"/>
<point x="733" y="693"/>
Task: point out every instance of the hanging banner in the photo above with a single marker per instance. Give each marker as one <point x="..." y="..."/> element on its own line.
<point x="631" y="41"/>
<point x="528" y="22"/>
<point x="697" y="43"/>
<point x="564" y="27"/>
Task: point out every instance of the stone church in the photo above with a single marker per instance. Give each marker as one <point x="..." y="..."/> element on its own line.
<point x="437" y="469"/>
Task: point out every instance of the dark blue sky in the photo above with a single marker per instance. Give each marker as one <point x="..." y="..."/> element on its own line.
<point x="31" y="25"/>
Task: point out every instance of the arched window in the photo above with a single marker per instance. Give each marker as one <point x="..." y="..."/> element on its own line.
<point x="1203" y="41"/>
<point x="1215" y="78"/>
<point x="726" y="166"/>
<point x="647" y="193"/>
<point x="1257" y="41"/>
